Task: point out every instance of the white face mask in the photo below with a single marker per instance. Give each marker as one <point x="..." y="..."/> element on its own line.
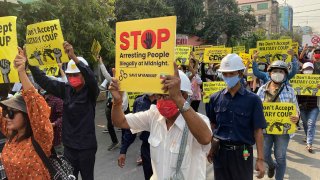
<point x="307" y="71"/>
<point x="277" y="77"/>
<point x="261" y="67"/>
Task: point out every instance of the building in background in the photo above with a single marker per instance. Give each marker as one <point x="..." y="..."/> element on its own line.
<point x="306" y="30"/>
<point x="266" y="13"/>
<point x="286" y="18"/>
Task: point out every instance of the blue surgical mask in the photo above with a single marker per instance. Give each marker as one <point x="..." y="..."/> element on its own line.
<point x="231" y="81"/>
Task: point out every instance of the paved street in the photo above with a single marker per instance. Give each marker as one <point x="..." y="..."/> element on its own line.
<point x="301" y="164"/>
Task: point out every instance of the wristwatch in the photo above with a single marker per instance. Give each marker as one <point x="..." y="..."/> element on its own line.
<point x="186" y="106"/>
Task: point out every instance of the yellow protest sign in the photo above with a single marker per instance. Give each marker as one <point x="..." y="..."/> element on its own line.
<point x="44" y="43"/>
<point x="273" y="50"/>
<point x="210" y="88"/>
<point x="182" y="55"/>
<point x="8" y="49"/>
<point x="132" y="97"/>
<point x="215" y="55"/>
<point x="278" y="117"/>
<point x="306" y="84"/>
<point x="238" y="49"/>
<point x="252" y="51"/>
<point x="49" y="70"/>
<point x="295" y="47"/>
<point x="250" y="74"/>
<point x="145" y="53"/>
<point x="186" y="45"/>
<point x="95" y="49"/>
<point x="246" y="58"/>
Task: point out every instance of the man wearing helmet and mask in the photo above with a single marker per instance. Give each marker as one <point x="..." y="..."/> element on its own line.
<point x="237" y="119"/>
<point x="276" y="90"/>
<point x="79" y="96"/>
<point x="179" y="137"/>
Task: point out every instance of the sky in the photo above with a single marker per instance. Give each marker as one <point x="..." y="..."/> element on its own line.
<point x="303" y="18"/>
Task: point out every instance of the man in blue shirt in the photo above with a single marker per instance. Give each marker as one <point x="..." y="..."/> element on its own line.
<point x="142" y="103"/>
<point x="237" y="119"/>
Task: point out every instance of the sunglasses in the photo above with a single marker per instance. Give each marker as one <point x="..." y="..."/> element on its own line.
<point x="10" y="112"/>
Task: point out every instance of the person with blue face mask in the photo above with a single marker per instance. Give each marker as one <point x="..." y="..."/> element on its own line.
<point x="237" y="120"/>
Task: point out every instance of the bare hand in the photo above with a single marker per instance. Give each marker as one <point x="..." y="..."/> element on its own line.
<point x="294" y="119"/>
<point x="20" y="61"/>
<point x="114" y="89"/>
<point x="60" y="65"/>
<point x="121" y="160"/>
<point x="68" y="48"/>
<point x="210" y="156"/>
<point x="255" y="56"/>
<point x="305" y="47"/>
<point x="260" y="168"/>
<point x="171" y="84"/>
<point x="291" y="52"/>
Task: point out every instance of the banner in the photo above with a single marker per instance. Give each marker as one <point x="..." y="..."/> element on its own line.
<point x="145" y="53"/>
<point x="95" y="49"/>
<point x="311" y="40"/>
<point x="131" y="98"/>
<point x="44" y="43"/>
<point x="8" y="49"/>
<point x="215" y="55"/>
<point x="210" y="88"/>
<point x="278" y="117"/>
<point x="306" y="84"/>
<point x="182" y="55"/>
<point x="273" y="50"/>
<point x="238" y="49"/>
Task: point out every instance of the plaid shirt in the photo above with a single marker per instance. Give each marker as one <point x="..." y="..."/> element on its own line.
<point x="287" y="95"/>
<point x="56" y="105"/>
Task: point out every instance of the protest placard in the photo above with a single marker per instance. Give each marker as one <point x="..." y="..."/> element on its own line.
<point x="246" y="58"/>
<point x="278" y="117"/>
<point x="182" y="55"/>
<point x="95" y="49"/>
<point x="8" y="49"/>
<point x="215" y="55"/>
<point x="273" y="50"/>
<point x="295" y="47"/>
<point x="44" y="43"/>
<point x="131" y="98"/>
<point x="145" y="53"/>
<point x="238" y="49"/>
<point x="186" y="45"/>
<point x="250" y="74"/>
<point x="210" y="88"/>
<point x="49" y="70"/>
<point x="306" y="84"/>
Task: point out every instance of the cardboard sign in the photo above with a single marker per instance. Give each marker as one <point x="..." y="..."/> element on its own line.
<point x="8" y="49"/>
<point x="182" y="55"/>
<point x="273" y="50"/>
<point x="238" y="49"/>
<point x="131" y="98"/>
<point x="145" y="53"/>
<point x="44" y="43"/>
<point x="306" y="84"/>
<point x="215" y="55"/>
<point x="95" y="49"/>
<point x="210" y="88"/>
<point x="278" y="117"/>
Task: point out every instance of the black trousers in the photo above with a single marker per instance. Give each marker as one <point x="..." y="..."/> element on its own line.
<point x="82" y="161"/>
<point x="110" y="126"/>
<point x="230" y="165"/>
<point x="146" y="160"/>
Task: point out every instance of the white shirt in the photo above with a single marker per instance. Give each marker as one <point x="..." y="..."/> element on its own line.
<point x="165" y="144"/>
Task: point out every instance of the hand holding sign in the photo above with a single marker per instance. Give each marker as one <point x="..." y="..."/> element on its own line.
<point x="114" y="89"/>
<point x="20" y="61"/>
<point x="171" y="84"/>
<point x="69" y="50"/>
<point x="5" y="69"/>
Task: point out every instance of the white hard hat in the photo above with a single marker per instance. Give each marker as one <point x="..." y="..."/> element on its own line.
<point x="230" y="63"/>
<point x="72" y="67"/>
<point x="307" y="64"/>
<point x="185" y="83"/>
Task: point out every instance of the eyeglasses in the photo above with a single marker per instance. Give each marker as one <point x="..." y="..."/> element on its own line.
<point x="10" y="112"/>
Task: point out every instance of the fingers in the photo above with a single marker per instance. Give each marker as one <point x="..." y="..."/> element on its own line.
<point x="114" y="72"/>
<point x="176" y="70"/>
<point x="21" y="52"/>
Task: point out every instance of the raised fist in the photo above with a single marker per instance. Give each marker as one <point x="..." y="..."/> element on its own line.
<point x="57" y="54"/>
<point x="5" y="69"/>
<point x="37" y="55"/>
<point x="286" y="127"/>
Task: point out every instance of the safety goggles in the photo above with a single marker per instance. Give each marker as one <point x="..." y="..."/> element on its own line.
<point x="10" y="112"/>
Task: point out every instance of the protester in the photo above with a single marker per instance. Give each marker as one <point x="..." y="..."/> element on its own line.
<point x="170" y="122"/>
<point x="236" y="115"/>
<point x="78" y="126"/>
<point x="21" y="118"/>
<point x="307" y="54"/>
<point x="264" y="76"/>
<point x="308" y="110"/>
<point x="142" y="103"/>
<point x="276" y="90"/>
<point x="196" y="83"/>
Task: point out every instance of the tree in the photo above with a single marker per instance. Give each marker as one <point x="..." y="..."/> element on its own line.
<point x="224" y="17"/>
<point x="190" y="13"/>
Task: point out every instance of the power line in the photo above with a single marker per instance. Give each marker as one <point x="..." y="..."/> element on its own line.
<point x="305" y="5"/>
<point x="306" y="11"/>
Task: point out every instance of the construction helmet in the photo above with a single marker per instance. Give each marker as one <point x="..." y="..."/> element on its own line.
<point x="278" y="65"/>
<point x="230" y="63"/>
<point x="72" y="67"/>
<point x="185" y="84"/>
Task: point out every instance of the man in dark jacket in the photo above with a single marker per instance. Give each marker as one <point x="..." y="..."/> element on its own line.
<point x="79" y="96"/>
